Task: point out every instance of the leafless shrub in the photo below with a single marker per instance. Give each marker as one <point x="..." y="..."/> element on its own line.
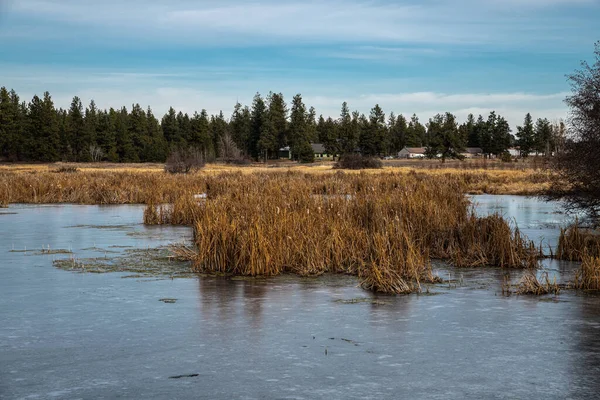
<point x="356" y="161"/>
<point x="184" y="160"/>
<point x="230" y="153"/>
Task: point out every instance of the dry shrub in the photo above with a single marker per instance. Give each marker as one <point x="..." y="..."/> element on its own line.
<point x="382" y="228"/>
<point x="356" y="161"/>
<point x="184" y="160"/>
<point x="575" y="242"/>
<point x="66" y="169"/>
<point x="529" y="284"/>
<point x="588" y="276"/>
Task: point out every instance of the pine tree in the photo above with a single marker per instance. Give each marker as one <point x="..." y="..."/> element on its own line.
<point x="298" y="131"/>
<point x="398" y="130"/>
<point x="184" y="131"/>
<point x="416" y="132"/>
<point x="91" y="132"/>
<point x="543" y="136"/>
<point x="445" y="137"/>
<point x="35" y="127"/>
<point x="311" y="125"/>
<point x="469" y="130"/>
<point x="240" y="125"/>
<point x="106" y="137"/>
<point x="137" y="126"/>
<point x="218" y="129"/>
<point x="125" y="148"/>
<point x="327" y="133"/>
<point x="526" y="136"/>
<point x="259" y="118"/>
<point x="76" y="132"/>
<point x="170" y="126"/>
<point x="201" y="134"/>
<point x="372" y="140"/>
<point x="496" y="138"/>
<point x="347" y="131"/>
<point x="51" y="135"/>
<point x="12" y="126"/>
<point x="273" y="133"/>
<point x="155" y="146"/>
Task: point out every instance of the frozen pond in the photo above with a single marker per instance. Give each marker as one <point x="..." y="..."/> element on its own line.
<point x="74" y="335"/>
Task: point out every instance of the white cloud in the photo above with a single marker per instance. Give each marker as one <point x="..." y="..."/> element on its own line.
<point x="218" y="90"/>
<point x="240" y="22"/>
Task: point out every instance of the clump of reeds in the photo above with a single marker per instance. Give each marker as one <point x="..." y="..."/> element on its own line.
<point x="383" y="228"/>
<point x="575" y="242"/>
<point x="588" y="276"/>
<point x="530" y="284"/>
<point x="491" y="241"/>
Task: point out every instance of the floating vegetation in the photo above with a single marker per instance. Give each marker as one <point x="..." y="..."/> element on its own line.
<point x="109" y="227"/>
<point x="361" y="300"/>
<point x="383" y="228"/>
<point x="38" y="252"/>
<point x="141" y="262"/>
<point x="100" y="250"/>
<point x="530" y="284"/>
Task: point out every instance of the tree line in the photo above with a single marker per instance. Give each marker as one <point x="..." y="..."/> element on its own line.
<point x="38" y="131"/>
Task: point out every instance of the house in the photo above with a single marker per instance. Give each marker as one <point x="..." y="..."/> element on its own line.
<point x="514" y="152"/>
<point x="285" y="152"/>
<point x="472" y="152"/>
<point x="319" y="150"/>
<point x="412" y="152"/>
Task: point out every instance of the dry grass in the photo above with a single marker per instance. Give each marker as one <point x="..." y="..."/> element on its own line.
<point x="101" y="183"/>
<point x="384" y="228"/>
<point x="588" y="276"/>
<point x="576" y="242"/>
<point x="530" y="284"/>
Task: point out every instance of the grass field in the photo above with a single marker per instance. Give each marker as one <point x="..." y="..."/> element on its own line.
<point x="106" y="183"/>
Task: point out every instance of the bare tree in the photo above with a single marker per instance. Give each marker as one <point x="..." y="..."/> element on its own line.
<point x="578" y="166"/>
<point x="230" y="152"/>
<point x="184" y="160"/>
<point x="96" y="152"/>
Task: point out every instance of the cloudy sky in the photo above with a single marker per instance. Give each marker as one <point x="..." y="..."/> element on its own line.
<point x="409" y="56"/>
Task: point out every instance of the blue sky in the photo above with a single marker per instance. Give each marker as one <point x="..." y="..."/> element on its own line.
<point x="410" y="57"/>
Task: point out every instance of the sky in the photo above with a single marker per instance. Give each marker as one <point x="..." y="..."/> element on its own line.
<point x="408" y="56"/>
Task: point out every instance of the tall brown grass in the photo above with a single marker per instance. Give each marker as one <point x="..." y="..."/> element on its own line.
<point x="384" y="228"/>
<point x="588" y="276"/>
<point x="530" y="284"/>
<point x="576" y="242"/>
<point x="147" y="183"/>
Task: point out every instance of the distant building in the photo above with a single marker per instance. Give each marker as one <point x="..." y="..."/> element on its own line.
<point x="514" y="152"/>
<point x="412" y="152"/>
<point x="472" y="152"/>
<point x="319" y="150"/>
<point x="285" y="152"/>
